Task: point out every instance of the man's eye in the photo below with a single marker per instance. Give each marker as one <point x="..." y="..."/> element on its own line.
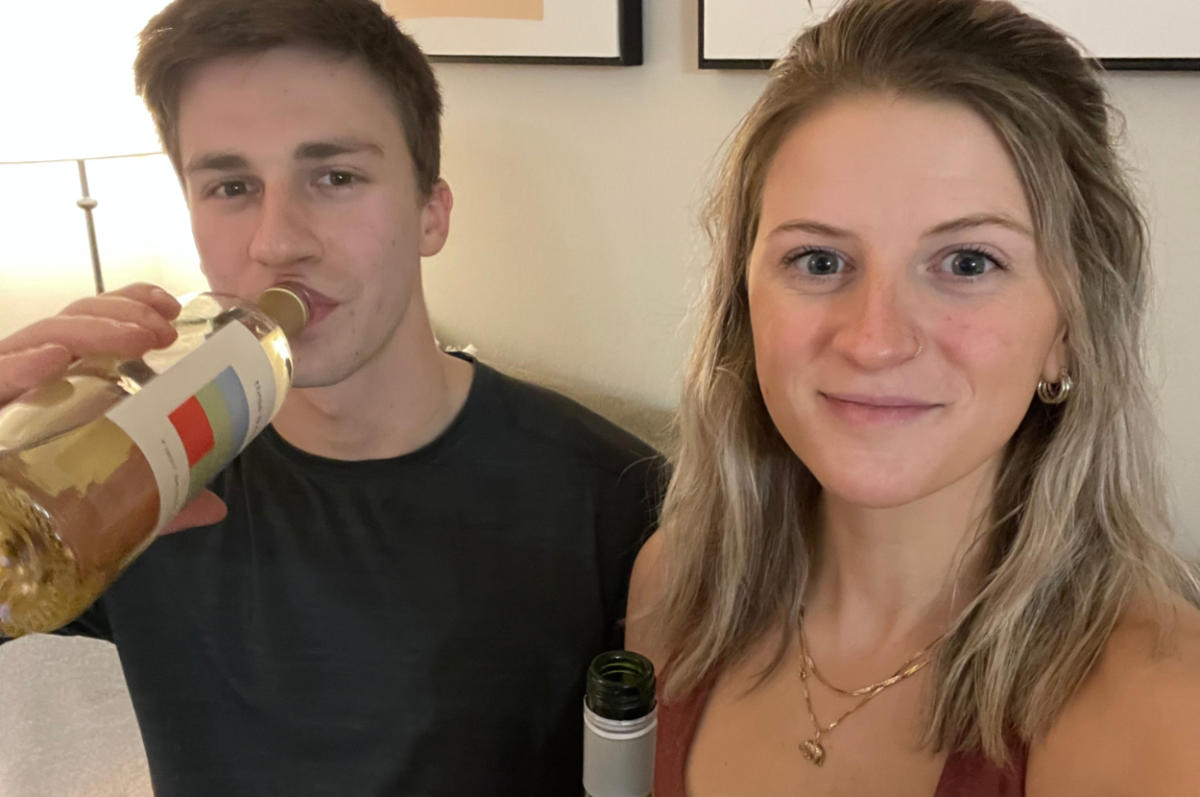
<point x="338" y="179"/>
<point x="817" y="262"/>
<point x="968" y="263"/>
<point x="231" y="188"/>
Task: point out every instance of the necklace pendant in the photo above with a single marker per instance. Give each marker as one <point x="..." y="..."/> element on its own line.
<point x="813" y="751"/>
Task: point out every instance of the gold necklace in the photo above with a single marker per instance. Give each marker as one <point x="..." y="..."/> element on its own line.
<point x="811" y="748"/>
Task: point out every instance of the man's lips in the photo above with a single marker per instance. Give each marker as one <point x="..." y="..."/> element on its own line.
<point x="319" y="305"/>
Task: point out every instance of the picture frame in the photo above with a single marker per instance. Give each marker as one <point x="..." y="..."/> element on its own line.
<point x="579" y="32"/>
<point x="1155" y="35"/>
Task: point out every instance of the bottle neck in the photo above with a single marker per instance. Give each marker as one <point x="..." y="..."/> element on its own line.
<point x="620" y="686"/>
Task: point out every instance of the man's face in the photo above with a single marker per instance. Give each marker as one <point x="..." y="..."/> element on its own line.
<point x="295" y="168"/>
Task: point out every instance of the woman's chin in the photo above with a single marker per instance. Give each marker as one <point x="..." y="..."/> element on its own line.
<point x="875" y="490"/>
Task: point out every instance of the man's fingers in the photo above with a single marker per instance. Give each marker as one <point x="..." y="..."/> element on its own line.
<point x="23" y="370"/>
<point x="83" y="335"/>
<point x="130" y="311"/>
<point x="166" y="304"/>
<point x="127" y="323"/>
<point x="203" y="510"/>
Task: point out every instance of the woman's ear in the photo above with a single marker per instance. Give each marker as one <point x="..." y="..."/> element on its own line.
<point x="1057" y="359"/>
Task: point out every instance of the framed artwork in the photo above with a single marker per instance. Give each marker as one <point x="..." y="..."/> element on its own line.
<point x="1148" y="34"/>
<point x="605" y="32"/>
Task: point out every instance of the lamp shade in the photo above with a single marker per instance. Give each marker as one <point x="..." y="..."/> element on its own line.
<point x="68" y="95"/>
<point x="67" y="88"/>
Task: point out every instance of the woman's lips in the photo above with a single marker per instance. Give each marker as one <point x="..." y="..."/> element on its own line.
<point x="877" y="409"/>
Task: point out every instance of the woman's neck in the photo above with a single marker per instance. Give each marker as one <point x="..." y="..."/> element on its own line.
<point x="896" y="577"/>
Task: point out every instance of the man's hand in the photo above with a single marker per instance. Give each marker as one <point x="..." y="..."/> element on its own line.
<point x="126" y="322"/>
<point x="203" y="510"/>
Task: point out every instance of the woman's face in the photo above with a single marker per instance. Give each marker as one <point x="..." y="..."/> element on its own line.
<point x="900" y="315"/>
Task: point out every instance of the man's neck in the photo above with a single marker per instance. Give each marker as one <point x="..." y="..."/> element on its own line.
<point x="402" y="399"/>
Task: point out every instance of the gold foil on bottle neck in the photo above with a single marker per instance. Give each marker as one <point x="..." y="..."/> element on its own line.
<point x="287" y="306"/>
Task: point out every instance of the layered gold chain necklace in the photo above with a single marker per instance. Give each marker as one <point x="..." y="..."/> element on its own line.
<point x="812" y="748"/>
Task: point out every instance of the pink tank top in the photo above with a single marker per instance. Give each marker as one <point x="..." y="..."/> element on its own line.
<point x="964" y="775"/>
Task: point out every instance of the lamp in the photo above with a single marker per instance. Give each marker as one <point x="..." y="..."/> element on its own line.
<point x="87" y="203"/>
<point x="68" y="91"/>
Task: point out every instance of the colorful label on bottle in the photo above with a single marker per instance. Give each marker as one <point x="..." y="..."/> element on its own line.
<point x="191" y="420"/>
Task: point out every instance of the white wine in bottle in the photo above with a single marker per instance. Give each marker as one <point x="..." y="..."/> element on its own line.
<point x="95" y="463"/>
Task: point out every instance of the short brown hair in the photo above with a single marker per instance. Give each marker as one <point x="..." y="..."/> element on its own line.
<point x="189" y="33"/>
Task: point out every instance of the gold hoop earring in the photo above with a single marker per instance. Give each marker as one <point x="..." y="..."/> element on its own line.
<point x="1055" y="392"/>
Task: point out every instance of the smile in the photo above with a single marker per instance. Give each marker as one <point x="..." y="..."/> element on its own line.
<point x="878" y="410"/>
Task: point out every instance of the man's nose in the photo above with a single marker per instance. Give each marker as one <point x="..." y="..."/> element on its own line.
<point x="284" y="234"/>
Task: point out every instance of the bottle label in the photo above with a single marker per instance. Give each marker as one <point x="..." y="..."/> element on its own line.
<point x="618" y="755"/>
<point x="191" y="420"/>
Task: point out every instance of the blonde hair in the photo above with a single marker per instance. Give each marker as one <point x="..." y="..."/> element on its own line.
<point x="1079" y="520"/>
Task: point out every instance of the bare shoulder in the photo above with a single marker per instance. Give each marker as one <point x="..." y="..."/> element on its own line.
<point x="647" y="585"/>
<point x="1133" y="726"/>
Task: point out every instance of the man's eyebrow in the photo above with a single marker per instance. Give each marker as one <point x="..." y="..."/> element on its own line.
<point x="320" y="150"/>
<point x="217" y="162"/>
<point x="307" y="151"/>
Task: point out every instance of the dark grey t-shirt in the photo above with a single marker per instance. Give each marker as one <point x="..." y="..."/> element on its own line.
<point x="418" y="625"/>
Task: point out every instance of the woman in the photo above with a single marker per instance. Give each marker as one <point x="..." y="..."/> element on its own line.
<point x="915" y="542"/>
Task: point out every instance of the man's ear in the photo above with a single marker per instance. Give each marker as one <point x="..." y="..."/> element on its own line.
<point x="435" y="219"/>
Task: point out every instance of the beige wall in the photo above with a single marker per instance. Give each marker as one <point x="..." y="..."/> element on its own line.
<point x="575" y="251"/>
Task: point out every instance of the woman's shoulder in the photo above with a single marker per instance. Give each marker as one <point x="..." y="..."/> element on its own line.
<point x="647" y="585"/>
<point x="1133" y="725"/>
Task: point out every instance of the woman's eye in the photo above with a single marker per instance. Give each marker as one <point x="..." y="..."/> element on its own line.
<point x="817" y="262"/>
<point x="968" y="263"/>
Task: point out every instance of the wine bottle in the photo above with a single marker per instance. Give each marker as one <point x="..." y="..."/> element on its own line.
<point x="620" y="721"/>
<point x="95" y="463"/>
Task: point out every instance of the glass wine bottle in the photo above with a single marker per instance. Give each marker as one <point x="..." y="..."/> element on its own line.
<point x="620" y="721"/>
<point x="95" y="463"/>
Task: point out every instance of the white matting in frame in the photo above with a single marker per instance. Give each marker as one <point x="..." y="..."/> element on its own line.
<point x="525" y="31"/>
<point x="1148" y="34"/>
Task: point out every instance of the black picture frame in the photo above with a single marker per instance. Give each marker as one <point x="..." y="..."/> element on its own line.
<point x="1118" y="64"/>
<point x="629" y="46"/>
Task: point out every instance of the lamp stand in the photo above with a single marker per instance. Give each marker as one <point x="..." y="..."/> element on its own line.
<point x="88" y="204"/>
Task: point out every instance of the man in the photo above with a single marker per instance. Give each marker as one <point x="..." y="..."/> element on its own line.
<point x="406" y="575"/>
